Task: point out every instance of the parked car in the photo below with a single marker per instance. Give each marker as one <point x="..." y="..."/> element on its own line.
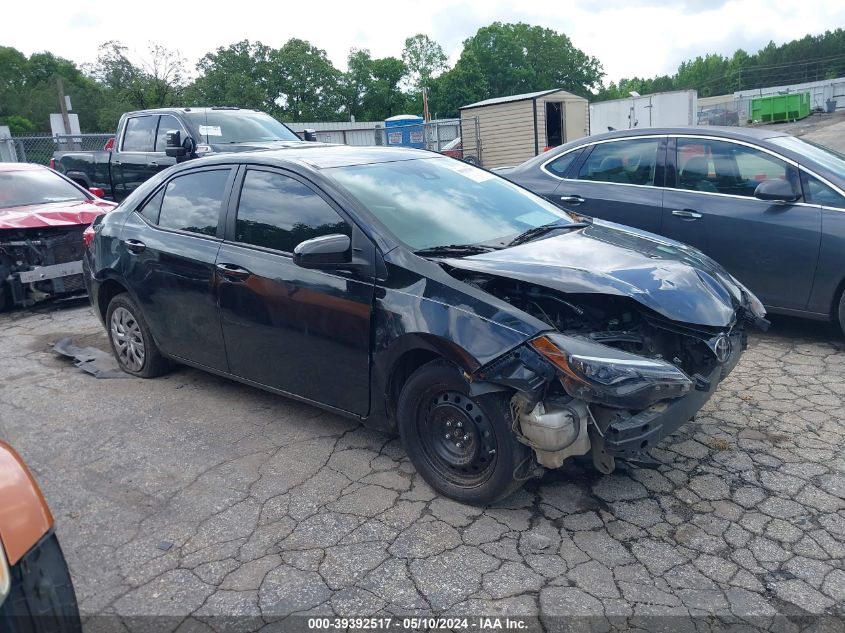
<point x="455" y="149"/>
<point x="767" y="206"/>
<point x="42" y="217"/>
<point x="718" y="116"/>
<point x="36" y="592"/>
<point x="140" y="147"/>
<point x="419" y="293"/>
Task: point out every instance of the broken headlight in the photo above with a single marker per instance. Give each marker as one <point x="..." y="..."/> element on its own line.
<point x="605" y="375"/>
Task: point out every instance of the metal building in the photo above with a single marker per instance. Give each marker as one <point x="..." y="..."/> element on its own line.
<point x="513" y="129"/>
<point x="662" y="109"/>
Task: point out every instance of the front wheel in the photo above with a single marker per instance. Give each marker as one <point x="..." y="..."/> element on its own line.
<point x="462" y="446"/>
<point x="133" y="345"/>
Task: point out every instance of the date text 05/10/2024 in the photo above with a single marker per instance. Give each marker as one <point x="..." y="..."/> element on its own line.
<point x="417" y="624"/>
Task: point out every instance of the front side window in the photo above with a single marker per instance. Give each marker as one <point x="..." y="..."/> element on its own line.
<point x="193" y="202"/>
<point x="629" y="162"/>
<point x="561" y="164"/>
<point x="140" y="134"/>
<point x="712" y="166"/>
<point x="166" y="123"/>
<point x="816" y="192"/>
<point x="428" y="202"/>
<point x="276" y="211"/>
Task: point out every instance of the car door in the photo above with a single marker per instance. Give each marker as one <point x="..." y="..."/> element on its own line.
<point x="171" y="245"/>
<point x="301" y="331"/>
<point x="771" y="247"/>
<point x="129" y="163"/>
<point x="619" y="180"/>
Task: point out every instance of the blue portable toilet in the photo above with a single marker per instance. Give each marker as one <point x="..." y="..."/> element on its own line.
<point x="404" y="130"/>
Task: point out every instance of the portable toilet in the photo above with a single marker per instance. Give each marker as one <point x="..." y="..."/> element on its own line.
<point x="405" y="130"/>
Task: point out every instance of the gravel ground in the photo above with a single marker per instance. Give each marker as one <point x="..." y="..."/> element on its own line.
<point x="194" y="497"/>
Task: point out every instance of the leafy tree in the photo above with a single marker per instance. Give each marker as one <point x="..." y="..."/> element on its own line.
<point x="18" y="124"/>
<point x="306" y="82"/>
<point x="240" y="74"/>
<point x="424" y="58"/>
<point x="517" y="58"/>
<point x="460" y="86"/>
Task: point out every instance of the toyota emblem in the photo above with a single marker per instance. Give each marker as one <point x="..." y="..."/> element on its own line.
<point x="722" y="348"/>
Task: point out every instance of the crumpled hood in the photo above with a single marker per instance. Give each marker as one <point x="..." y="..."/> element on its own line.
<point x="674" y="280"/>
<point x="36" y="216"/>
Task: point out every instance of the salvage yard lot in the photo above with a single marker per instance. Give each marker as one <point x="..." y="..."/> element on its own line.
<point x="194" y="495"/>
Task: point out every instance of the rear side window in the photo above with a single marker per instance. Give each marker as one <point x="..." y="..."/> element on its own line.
<point x="193" y="202"/>
<point x="816" y="192"/>
<point x="140" y="134"/>
<point x="713" y="166"/>
<point x="561" y="164"/>
<point x="278" y="212"/>
<point x="152" y="207"/>
<point x="631" y="162"/>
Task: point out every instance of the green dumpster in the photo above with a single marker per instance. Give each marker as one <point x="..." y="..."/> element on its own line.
<point x="788" y="107"/>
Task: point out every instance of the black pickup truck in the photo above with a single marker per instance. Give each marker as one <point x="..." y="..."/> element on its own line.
<point x="140" y="146"/>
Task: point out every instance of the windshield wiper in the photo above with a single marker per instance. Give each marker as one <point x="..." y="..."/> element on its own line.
<point x="459" y="250"/>
<point x="537" y="231"/>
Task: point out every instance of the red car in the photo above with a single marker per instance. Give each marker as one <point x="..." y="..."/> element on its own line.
<point x="42" y="217"/>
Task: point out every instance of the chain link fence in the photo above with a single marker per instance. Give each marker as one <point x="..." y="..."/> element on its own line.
<point x="40" y="148"/>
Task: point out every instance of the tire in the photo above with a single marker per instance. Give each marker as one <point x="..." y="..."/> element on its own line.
<point x="462" y="446"/>
<point x="840" y="313"/>
<point x="41" y="597"/>
<point x="131" y="342"/>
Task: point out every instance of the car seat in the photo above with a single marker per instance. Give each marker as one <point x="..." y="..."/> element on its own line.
<point x="695" y="175"/>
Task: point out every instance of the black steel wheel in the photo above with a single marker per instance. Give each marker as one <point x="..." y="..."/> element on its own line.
<point x="463" y="446"/>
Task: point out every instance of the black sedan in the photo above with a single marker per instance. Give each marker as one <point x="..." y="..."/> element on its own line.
<point x="415" y="292"/>
<point x="768" y="207"/>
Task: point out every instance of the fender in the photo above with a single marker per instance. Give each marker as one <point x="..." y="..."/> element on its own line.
<point x="24" y="515"/>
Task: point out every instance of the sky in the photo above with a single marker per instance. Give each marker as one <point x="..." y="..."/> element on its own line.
<point x="630" y="37"/>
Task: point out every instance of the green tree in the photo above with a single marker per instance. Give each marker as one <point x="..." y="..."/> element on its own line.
<point x="306" y="82"/>
<point x="424" y="58"/>
<point x="240" y="74"/>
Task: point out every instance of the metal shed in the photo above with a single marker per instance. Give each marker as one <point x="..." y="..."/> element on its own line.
<point x="515" y="128"/>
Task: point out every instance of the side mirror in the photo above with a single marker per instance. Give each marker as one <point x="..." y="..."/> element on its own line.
<point x="778" y="190"/>
<point x="327" y="251"/>
<point x="174" y="147"/>
<point x="309" y="135"/>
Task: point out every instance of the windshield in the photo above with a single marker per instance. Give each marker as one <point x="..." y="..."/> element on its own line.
<point x="220" y="127"/>
<point x="824" y="156"/>
<point x="441" y="201"/>
<point x="35" y="186"/>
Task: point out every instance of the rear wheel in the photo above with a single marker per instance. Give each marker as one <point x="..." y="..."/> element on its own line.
<point x="133" y="345"/>
<point x="463" y="446"/>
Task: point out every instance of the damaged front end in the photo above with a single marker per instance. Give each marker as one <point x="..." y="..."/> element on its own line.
<point x="39" y="263"/>
<point x="612" y="378"/>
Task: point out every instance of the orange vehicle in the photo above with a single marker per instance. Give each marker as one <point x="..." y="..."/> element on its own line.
<point x="36" y="592"/>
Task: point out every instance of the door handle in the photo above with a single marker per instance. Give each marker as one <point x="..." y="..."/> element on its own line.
<point x="116" y="162"/>
<point x="233" y="272"/>
<point x="572" y="199"/>
<point x="687" y="214"/>
<point x="153" y="164"/>
<point x="135" y="246"/>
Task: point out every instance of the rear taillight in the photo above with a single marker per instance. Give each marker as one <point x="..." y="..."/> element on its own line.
<point x="52" y="163"/>
<point x="109" y="145"/>
<point x="88" y="236"/>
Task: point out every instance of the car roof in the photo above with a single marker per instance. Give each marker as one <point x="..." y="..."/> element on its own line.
<point x="319" y="156"/>
<point x="753" y="133"/>
<point x="20" y="167"/>
<point x="194" y="110"/>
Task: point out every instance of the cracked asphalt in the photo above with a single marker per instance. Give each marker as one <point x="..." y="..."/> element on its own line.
<point x="224" y="507"/>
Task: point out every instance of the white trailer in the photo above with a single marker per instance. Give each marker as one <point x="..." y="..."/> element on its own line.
<point x="663" y="109"/>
